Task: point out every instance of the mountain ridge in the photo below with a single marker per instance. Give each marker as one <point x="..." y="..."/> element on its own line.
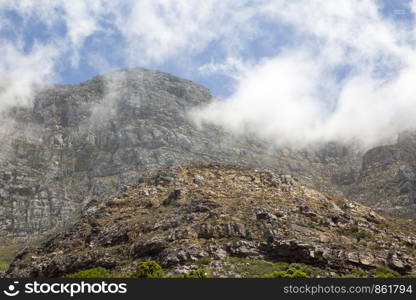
<point x="81" y="142"/>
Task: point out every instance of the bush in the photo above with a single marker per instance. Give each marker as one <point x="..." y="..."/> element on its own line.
<point x="98" y="272"/>
<point x="203" y="261"/>
<point x="384" y="272"/>
<point x="289" y="273"/>
<point x="148" y="269"/>
<point x="385" y="275"/>
<point x="310" y="271"/>
<point x="192" y="274"/>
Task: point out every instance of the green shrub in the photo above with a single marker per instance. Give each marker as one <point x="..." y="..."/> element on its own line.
<point x="362" y="235"/>
<point x="289" y="273"/>
<point x="384" y="272"/>
<point x="356" y="273"/>
<point x="98" y="272"/>
<point x="252" y="268"/>
<point x="355" y="232"/>
<point x="122" y="276"/>
<point x="192" y="274"/>
<point x="202" y="261"/>
<point x="385" y="275"/>
<point x="375" y="246"/>
<point x="310" y="271"/>
<point x="148" y="269"/>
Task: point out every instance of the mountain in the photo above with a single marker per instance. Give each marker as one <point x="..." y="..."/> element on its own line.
<point x="76" y="143"/>
<point x="227" y="221"/>
<point x="386" y="180"/>
<point x="79" y="143"/>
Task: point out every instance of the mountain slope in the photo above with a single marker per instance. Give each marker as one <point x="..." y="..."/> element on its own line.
<point x="230" y="218"/>
<point x="387" y="181"/>
<point x="80" y="142"/>
<point x="77" y="143"/>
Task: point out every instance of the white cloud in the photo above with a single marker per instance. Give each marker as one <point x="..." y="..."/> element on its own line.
<point x="412" y="5"/>
<point x="291" y="97"/>
<point x="232" y="66"/>
<point x="276" y="99"/>
<point x="150" y="32"/>
<point x="157" y="30"/>
<point x="19" y="71"/>
<point x="23" y="65"/>
<point x="294" y="98"/>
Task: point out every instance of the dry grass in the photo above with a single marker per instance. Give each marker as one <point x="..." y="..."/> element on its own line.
<point x="7" y="254"/>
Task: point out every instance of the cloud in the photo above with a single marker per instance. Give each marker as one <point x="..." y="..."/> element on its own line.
<point x="144" y="32"/>
<point x="347" y="78"/>
<point x="304" y="71"/>
<point x="232" y="66"/>
<point x="277" y="98"/>
<point x="149" y="31"/>
<point x="20" y="71"/>
<point x="158" y="30"/>
<point x="27" y="61"/>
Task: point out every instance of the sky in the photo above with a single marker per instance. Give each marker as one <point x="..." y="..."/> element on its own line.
<point x="293" y="71"/>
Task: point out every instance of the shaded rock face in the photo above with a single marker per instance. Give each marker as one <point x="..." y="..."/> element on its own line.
<point x="387" y="181"/>
<point x="247" y="214"/>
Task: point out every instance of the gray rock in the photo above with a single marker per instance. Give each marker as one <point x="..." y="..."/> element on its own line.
<point x="398" y="263"/>
<point x="202" y="205"/>
<point x="149" y="247"/>
<point x="244" y="249"/>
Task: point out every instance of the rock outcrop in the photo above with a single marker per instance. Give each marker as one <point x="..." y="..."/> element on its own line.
<point x="387" y="181"/>
<point x="229" y="218"/>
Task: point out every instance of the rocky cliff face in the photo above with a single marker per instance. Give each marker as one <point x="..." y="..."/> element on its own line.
<point x="230" y="221"/>
<point x="76" y="143"/>
<point x="80" y="142"/>
<point x="83" y="142"/>
<point x="386" y="181"/>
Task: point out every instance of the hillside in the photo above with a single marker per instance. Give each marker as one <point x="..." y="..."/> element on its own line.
<point x="76" y="143"/>
<point x="82" y="142"/>
<point x="386" y="180"/>
<point x="229" y="221"/>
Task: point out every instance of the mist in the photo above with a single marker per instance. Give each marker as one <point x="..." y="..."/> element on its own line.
<point x="301" y="72"/>
<point x="348" y="78"/>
